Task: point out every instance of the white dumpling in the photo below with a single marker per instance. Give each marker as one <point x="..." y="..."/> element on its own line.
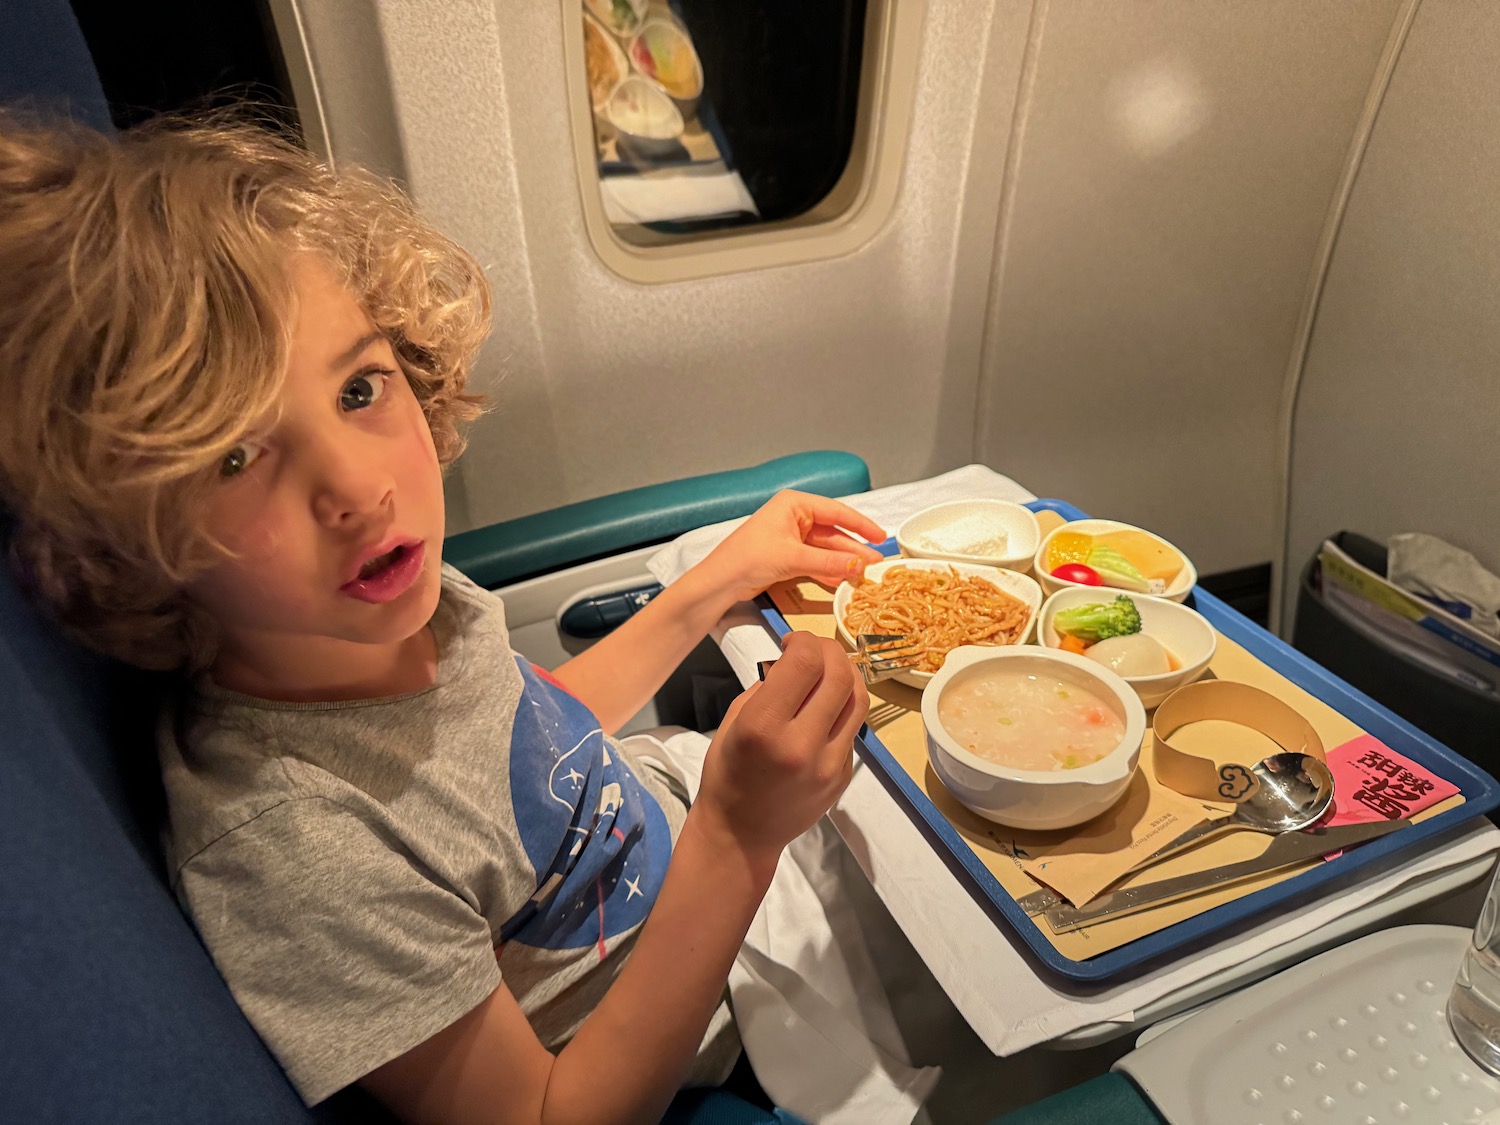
<point x="1135" y="655"/>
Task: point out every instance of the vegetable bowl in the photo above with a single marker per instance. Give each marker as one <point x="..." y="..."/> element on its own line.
<point x="1129" y="634"/>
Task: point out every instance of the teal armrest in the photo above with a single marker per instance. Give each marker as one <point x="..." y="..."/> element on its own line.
<point x="1109" y="1099"/>
<point x="520" y="548"/>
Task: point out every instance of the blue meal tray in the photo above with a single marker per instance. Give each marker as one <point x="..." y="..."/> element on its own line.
<point x="1481" y="793"/>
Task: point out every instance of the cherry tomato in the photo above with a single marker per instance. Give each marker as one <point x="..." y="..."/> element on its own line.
<point x="1077" y="572"/>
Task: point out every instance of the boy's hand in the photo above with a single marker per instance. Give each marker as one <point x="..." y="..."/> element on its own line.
<point x="794" y="534"/>
<point x="785" y="751"/>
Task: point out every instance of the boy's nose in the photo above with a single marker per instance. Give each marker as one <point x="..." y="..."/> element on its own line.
<point x="350" y="489"/>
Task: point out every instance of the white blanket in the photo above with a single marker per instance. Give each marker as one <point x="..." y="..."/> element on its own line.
<point x="806" y="993"/>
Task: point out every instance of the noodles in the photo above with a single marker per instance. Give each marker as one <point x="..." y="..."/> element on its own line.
<point x="600" y="63"/>
<point x="940" y="609"/>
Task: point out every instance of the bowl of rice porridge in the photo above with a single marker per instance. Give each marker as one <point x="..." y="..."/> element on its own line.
<point x="984" y="532"/>
<point x="1030" y="737"/>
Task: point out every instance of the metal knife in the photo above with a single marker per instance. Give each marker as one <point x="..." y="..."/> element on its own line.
<point x="1286" y="849"/>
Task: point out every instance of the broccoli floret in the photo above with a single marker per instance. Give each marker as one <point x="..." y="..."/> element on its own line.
<point x="1098" y="621"/>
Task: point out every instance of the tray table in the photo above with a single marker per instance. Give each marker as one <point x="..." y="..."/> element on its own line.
<point x="1478" y="794"/>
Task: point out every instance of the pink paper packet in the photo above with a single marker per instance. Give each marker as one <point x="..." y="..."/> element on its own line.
<point x="1372" y="782"/>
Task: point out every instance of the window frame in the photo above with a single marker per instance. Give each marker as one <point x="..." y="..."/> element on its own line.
<point x="857" y="206"/>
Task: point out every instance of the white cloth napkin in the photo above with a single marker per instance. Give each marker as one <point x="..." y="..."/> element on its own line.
<point x="662" y="198"/>
<point x="823" y="1043"/>
<point x="982" y="967"/>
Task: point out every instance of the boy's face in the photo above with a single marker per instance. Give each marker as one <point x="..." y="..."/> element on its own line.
<point x="334" y="508"/>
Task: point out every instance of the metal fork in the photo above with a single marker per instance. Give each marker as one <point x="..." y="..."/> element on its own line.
<point x="879" y="656"/>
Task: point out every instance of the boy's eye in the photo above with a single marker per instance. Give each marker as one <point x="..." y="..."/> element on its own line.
<point x="238" y="459"/>
<point x="363" y="390"/>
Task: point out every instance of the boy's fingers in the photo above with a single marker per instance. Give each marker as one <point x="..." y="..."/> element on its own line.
<point x="838" y="554"/>
<point x="792" y="679"/>
<point x="831" y="538"/>
<point x="834" y="566"/>
<point x="831" y="695"/>
<point x="850" y="719"/>
<point x="826" y="511"/>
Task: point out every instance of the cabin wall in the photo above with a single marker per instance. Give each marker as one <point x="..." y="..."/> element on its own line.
<point x="1172" y="172"/>
<point x="1097" y="276"/>
<point x="602" y="384"/>
<point x="1397" y="416"/>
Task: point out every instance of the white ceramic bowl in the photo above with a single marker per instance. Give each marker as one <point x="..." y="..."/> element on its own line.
<point x="1034" y="799"/>
<point x="1018" y="525"/>
<point x="658" y="39"/>
<point x="646" y="119"/>
<point x="1186" y="635"/>
<point x="1179" y="588"/>
<point x="1016" y="585"/>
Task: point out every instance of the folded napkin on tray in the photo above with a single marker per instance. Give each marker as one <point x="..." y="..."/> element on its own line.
<point x="985" y="971"/>
<point x="1095" y="854"/>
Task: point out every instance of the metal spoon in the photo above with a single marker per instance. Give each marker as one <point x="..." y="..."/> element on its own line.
<point x="1295" y="791"/>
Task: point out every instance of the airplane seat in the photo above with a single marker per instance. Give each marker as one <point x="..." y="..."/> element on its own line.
<point x="113" y="1008"/>
<point x="47" y="63"/>
<point x="1107" y="1099"/>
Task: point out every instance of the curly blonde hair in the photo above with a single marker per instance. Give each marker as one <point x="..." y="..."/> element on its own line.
<point x="146" y="308"/>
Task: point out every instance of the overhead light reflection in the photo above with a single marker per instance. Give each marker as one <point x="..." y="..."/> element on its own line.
<point x="1157" y="107"/>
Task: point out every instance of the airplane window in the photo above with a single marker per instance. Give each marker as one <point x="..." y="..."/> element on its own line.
<point x="712" y="117"/>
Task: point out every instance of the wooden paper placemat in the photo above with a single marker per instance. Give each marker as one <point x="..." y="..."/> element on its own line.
<point x="895" y="716"/>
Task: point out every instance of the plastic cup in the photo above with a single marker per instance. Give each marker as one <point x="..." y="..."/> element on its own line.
<point x="1474" y="1004"/>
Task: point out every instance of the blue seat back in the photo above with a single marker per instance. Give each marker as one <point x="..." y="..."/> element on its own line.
<point x="44" y="62"/>
<point x="112" y="1009"/>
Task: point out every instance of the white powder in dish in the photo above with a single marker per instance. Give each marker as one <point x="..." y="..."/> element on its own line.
<point x="967" y="535"/>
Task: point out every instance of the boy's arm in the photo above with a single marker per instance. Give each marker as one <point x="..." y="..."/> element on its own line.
<point x="781" y="758"/>
<point x="793" y="535"/>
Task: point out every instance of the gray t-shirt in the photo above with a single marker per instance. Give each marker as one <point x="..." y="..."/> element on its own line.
<point x="364" y="873"/>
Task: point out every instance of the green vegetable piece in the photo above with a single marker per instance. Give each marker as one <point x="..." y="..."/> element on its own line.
<point x="1098" y="621"/>
<point x="1116" y="570"/>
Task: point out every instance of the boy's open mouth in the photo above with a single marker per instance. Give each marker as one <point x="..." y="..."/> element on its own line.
<point x="381" y="562"/>
<point x="386" y="576"/>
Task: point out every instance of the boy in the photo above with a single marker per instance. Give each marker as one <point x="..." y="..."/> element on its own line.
<point x="233" y="378"/>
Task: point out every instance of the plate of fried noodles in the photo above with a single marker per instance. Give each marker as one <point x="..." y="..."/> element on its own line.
<point x="941" y="605"/>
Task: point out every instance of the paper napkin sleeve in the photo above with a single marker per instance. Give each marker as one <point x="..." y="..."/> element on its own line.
<point x="1097" y="853"/>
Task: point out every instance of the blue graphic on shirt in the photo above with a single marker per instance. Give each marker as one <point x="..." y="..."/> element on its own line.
<point x="596" y="836"/>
